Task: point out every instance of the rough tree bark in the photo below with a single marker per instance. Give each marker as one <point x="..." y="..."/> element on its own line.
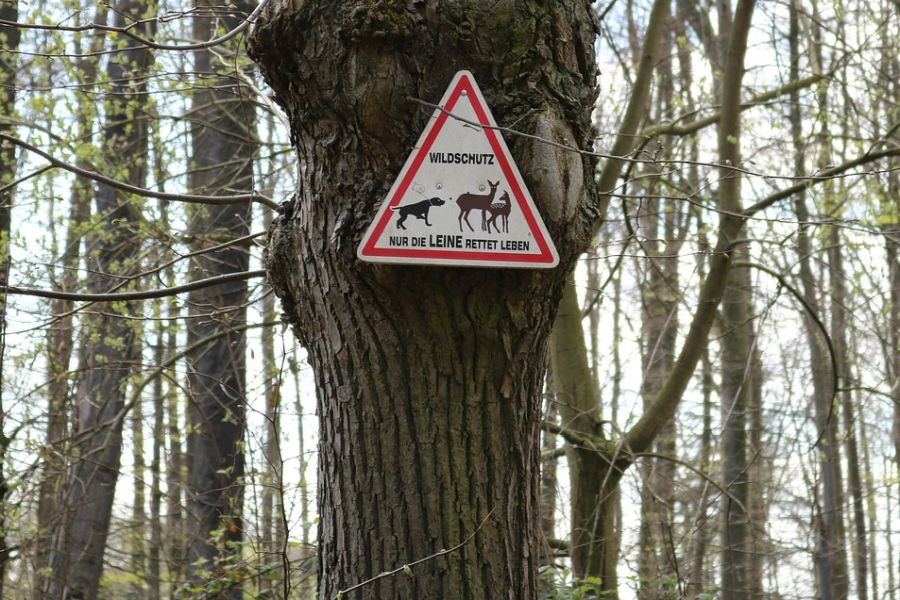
<point x="223" y="147"/>
<point x="429" y="380"/>
<point x="109" y="350"/>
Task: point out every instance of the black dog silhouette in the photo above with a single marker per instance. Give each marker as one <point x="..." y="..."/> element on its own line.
<point x="418" y="210"/>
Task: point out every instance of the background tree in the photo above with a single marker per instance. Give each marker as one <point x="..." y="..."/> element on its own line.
<point x="223" y="148"/>
<point x="109" y="345"/>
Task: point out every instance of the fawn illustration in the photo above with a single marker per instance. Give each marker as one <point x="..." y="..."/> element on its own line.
<point x="469" y="202"/>
<point x="500" y="209"/>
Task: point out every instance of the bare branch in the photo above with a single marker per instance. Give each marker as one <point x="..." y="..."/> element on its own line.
<point x="127" y="31"/>
<point x="407" y="566"/>
<point x="144" y="192"/>
<point x="140" y="295"/>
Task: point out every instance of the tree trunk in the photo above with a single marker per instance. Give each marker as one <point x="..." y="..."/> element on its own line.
<point x="60" y="342"/>
<point x="593" y="547"/>
<point x="223" y="147"/>
<point x="60" y="335"/>
<point x="9" y="43"/>
<point x="659" y="327"/>
<point x="737" y="347"/>
<point x="735" y="314"/>
<point x="832" y="567"/>
<point x="429" y="380"/>
<point x="109" y="351"/>
<point x="159" y="441"/>
<point x="138" y="530"/>
<point x="273" y="533"/>
<point x="176" y="479"/>
<point x="839" y="323"/>
<point x="890" y="212"/>
<point x="549" y="480"/>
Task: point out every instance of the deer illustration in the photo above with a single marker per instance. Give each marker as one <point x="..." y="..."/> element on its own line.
<point x="469" y="202"/>
<point x="500" y="209"/>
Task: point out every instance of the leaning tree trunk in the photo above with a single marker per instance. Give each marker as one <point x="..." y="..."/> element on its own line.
<point x="429" y="379"/>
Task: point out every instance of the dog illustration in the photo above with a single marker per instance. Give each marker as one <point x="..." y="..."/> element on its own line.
<point x="419" y="210"/>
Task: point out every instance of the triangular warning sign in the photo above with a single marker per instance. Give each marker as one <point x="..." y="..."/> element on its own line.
<point x="459" y="199"/>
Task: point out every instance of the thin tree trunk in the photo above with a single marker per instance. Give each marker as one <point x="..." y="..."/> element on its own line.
<point x="307" y="586"/>
<point x="138" y="532"/>
<point x="698" y="577"/>
<point x="593" y="284"/>
<point x="273" y="493"/>
<point x="617" y="376"/>
<point x="161" y="333"/>
<point x="107" y="358"/>
<point x="870" y="496"/>
<point x="176" y="477"/>
<point x="159" y="440"/>
<point x="839" y="323"/>
<point x="760" y="476"/>
<point x="548" y="473"/>
<point x="60" y="342"/>
<point x="890" y="501"/>
<point x="738" y="341"/>
<point x="702" y="535"/>
<point x="223" y="147"/>
<point x="657" y="561"/>
<point x="60" y="335"/>
<point x="890" y="211"/>
<point x="737" y="389"/>
<point x="9" y="43"/>
<point x="833" y="571"/>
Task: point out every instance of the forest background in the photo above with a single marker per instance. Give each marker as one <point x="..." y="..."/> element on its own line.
<point x="159" y="421"/>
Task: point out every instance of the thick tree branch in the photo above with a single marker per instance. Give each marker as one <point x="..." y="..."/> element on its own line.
<point x="138" y="295"/>
<point x="577" y="439"/>
<point x="144" y="192"/>
<point x="694" y="126"/>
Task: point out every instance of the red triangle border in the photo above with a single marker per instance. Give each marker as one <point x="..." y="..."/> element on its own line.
<point x="546" y="258"/>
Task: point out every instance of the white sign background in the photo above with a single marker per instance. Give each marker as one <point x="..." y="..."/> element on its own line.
<point x="453" y="157"/>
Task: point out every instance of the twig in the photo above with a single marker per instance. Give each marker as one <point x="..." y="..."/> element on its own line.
<point x="126" y="31"/>
<point x="407" y="567"/>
